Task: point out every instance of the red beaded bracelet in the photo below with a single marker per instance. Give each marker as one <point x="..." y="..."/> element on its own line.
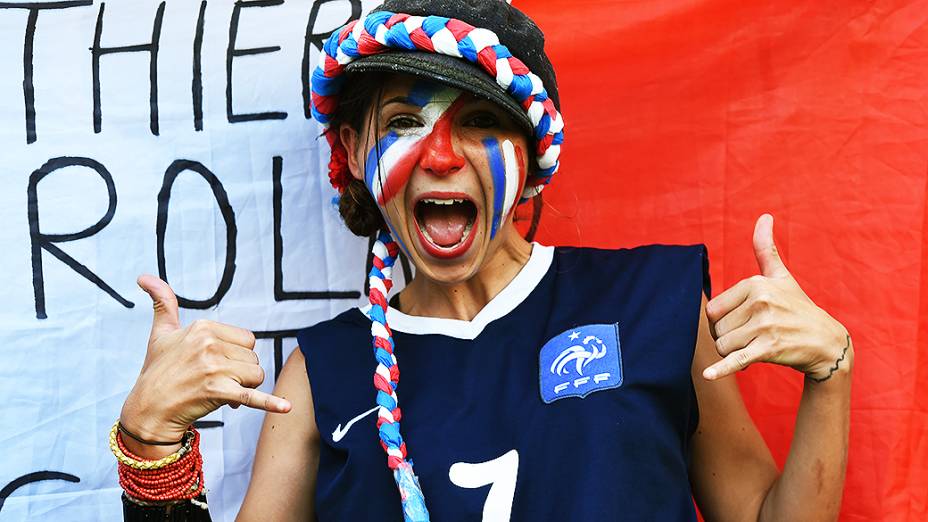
<point x="180" y="480"/>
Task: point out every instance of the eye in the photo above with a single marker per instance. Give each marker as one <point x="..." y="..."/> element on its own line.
<point x="482" y="120"/>
<point x="403" y="122"/>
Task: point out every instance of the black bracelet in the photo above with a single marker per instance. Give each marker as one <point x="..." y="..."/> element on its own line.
<point x="124" y="431"/>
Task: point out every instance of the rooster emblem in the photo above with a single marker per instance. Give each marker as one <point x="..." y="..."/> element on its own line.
<point x="589" y="350"/>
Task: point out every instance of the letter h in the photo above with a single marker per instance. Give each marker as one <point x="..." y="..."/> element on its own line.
<point x="97" y="51"/>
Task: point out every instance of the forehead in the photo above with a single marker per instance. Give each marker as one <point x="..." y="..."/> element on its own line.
<point x="419" y="91"/>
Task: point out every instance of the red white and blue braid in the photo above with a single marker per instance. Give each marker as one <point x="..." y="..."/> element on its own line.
<point x="385" y="31"/>
<point x="387" y="377"/>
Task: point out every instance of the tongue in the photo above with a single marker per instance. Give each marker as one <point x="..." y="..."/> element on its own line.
<point x="445" y="224"/>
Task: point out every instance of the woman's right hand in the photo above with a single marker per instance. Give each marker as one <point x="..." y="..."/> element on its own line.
<point x="188" y="373"/>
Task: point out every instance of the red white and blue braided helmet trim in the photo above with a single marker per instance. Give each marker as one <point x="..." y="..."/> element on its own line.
<point x="383" y="31"/>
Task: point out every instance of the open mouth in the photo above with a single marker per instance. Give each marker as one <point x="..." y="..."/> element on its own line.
<point x="446" y="224"/>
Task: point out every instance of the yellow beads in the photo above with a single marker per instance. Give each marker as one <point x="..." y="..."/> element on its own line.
<point x="147" y="464"/>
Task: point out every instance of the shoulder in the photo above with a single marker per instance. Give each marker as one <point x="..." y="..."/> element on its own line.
<point x="329" y="338"/>
<point x="348" y="320"/>
<point x="644" y="262"/>
<point x="651" y="252"/>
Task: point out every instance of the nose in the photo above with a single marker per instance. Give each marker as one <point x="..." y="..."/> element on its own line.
<point x="438" y="155"/>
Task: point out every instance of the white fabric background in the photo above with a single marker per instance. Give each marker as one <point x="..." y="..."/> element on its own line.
<point x="63" y="378"/>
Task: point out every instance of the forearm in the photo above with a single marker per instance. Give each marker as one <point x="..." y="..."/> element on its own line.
<point x="812" y="481"/>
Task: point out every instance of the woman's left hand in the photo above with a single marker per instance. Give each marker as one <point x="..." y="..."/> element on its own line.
<point x="768" y="318"/>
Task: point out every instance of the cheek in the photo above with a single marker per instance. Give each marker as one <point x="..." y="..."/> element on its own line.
<point x="386" y="172"/>
<point x="389" y="165"/>
<point x="506" y="171"/>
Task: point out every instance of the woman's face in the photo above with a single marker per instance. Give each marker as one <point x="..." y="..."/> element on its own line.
<point x="446" y="169"/>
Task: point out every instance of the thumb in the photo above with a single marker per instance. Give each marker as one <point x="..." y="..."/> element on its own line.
<point x="164" y="302"/>
<point x="765" y="250"/>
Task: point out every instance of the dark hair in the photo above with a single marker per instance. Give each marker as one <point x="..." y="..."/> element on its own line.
<point x="356" y="205"/>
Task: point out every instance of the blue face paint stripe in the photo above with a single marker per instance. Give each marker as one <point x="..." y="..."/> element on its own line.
<point x="370" y="170"/>
<point x="373" y="158"/>
<point x="422" y="93"/>
<point x="498" y="172"/>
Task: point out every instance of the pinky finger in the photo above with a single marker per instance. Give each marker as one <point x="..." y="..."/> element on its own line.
<point x="237" y="394"/>
<point x="734" y="362"/>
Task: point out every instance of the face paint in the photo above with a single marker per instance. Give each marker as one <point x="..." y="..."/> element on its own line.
<point x="391" y="161"/>
<point x="505" y="170"/>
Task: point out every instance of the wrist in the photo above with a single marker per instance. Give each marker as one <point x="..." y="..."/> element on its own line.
<point x="149" y="431"/>
<point x="149" y="451"/>
<point x="838" y="362"/>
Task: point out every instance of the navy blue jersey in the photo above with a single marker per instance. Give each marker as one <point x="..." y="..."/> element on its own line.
<point x="568" y="397"/>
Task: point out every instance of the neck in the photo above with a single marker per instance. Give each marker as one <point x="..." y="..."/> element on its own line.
<point x="464" y="300"/>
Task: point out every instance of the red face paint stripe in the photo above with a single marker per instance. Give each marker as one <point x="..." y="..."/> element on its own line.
<point x="440" y="139"/>
<point x="399" y="174"/>
<point x="438" y="142"/>
<point x="522" y="171"/>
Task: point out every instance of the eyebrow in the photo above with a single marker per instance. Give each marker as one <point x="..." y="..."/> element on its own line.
<point x="400" y="99"/>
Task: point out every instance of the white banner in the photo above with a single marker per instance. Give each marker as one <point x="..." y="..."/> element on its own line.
<point x="170" y="138"/>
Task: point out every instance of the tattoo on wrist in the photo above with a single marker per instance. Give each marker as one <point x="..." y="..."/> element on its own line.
<point x="833" y="369"/>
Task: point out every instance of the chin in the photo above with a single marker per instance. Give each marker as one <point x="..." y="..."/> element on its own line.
<point x="450" y="271"/>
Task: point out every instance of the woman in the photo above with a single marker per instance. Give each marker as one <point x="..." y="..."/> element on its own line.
<point x="566" y="380"/>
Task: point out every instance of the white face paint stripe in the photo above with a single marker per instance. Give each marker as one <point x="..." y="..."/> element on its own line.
<point x="441" y="100"/>
<point x="388" y="159"/>
<point x="512" y="176"/>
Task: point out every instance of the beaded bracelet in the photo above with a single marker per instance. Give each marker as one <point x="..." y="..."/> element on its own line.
<point x="176" y="477"/>
<point x="148" y="464"/>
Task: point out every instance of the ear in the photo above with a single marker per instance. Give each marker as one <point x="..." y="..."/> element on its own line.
<point x="350" y="140"/>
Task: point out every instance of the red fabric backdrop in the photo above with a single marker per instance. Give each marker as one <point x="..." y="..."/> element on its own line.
<point x="686" y="120"/>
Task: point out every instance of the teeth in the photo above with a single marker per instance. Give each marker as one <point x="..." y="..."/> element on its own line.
<point x="443" y="201"/>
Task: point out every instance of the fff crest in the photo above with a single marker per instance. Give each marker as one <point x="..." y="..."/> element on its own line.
<point x="580" y="361"/>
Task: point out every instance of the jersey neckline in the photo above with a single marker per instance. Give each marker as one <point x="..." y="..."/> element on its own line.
<point x="511" y="296"/>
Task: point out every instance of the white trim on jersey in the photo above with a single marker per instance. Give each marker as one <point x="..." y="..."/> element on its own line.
<point x="509" y="297"/>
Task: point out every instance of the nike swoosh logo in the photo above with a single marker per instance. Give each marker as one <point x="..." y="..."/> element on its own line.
<point x="339" y="433"/>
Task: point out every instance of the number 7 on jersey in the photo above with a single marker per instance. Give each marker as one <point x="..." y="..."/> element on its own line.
<point x="501" y="473"/>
